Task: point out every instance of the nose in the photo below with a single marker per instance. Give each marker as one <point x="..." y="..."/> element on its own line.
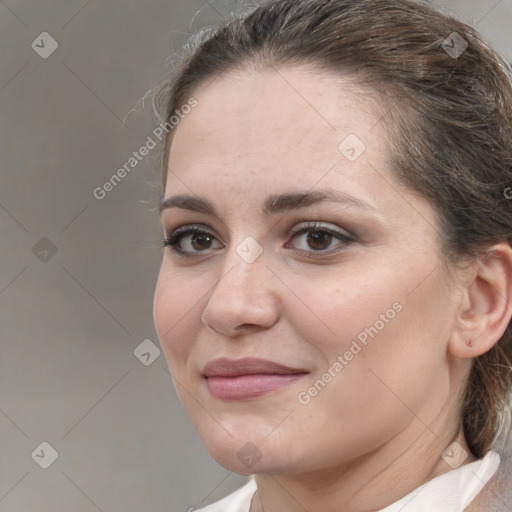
<point x="244" y="299"/>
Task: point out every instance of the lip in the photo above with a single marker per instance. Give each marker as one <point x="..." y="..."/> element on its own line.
<point x="224" y="367"/>
<point x="241" y="379"/>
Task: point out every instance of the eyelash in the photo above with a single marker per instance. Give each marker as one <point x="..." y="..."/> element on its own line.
<point x="174" y="239"/>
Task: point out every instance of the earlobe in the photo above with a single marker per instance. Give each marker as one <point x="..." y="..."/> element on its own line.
<point x="486" y="309"/>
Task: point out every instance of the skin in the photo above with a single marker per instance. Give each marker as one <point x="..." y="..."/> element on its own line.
<point x="378" y="429"/>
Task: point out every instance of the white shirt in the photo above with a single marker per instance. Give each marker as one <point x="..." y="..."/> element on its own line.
<point x="450" y="492"/>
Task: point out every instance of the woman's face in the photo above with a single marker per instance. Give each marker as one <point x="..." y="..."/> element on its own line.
<point x="310" y="256"/>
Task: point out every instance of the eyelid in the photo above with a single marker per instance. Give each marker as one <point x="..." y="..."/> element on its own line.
<point x="190" y="227"/>
<point x="297" y="228"/>
<point x="319" y="226"/>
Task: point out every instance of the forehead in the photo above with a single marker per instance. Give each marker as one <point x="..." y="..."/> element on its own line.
<point x="270" y="99"/>
<point x="295" y="116"/>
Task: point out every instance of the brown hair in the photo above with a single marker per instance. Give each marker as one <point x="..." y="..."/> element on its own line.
<point x="449" y="117"/>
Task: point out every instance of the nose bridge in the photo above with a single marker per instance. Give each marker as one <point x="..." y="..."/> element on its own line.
<point x="244" y="293"/>
<point x="244" y="263"/>
<point x="244" y="274"/>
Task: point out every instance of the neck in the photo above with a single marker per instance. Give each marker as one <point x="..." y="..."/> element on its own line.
<point x="370" y="483"/>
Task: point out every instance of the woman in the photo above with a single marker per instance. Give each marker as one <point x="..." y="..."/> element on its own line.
<point x="335" y="296"/>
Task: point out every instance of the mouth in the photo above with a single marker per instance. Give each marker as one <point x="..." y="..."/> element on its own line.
<point x="242" y="379"/>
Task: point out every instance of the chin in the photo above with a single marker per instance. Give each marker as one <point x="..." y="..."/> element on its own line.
<point x="248" y="459"/>
<point x="247" y="452"/>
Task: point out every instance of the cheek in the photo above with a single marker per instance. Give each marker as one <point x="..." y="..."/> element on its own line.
<point x="373" y="321"/>
<point x="176" y="314"/>
<point x="384" y="346"/>
<point x="335" y="309"/>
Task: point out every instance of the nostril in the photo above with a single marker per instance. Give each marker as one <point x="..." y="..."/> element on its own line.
<point x="249" y="326"/>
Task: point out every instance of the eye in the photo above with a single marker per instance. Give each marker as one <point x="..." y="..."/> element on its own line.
<point x="194" y="239"/>
<point x="189" y="240"/>
<point x="320" y="238"/>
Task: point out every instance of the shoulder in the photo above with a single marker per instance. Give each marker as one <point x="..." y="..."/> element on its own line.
<point x="238" y="501"/>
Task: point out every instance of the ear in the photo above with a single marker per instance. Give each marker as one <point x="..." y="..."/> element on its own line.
<point x="486" y="305"/>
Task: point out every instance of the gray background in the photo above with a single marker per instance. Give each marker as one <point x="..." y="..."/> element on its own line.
<point x="70" y="321"/>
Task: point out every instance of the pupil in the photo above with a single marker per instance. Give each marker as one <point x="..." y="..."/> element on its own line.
<point x="319" y="239"/>
<point x="200" y="238"/>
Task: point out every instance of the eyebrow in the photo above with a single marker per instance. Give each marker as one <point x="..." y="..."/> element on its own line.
<point x="277" y="203"/>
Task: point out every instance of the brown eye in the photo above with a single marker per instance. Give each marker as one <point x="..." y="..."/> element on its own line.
<point x="201" y="241"/>
<point x="191" y="240"/>
<point x="320" y="240"/>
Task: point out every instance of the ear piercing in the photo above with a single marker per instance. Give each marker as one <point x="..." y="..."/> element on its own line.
<point x="469" y="343"/>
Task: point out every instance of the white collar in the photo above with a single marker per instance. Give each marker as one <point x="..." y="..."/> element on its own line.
<point x="450" y="492"/>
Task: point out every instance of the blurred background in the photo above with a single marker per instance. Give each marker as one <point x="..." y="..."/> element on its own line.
<point x="89" y="420"/>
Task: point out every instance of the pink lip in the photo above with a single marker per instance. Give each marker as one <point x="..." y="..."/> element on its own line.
<point x="241" y="379"/>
